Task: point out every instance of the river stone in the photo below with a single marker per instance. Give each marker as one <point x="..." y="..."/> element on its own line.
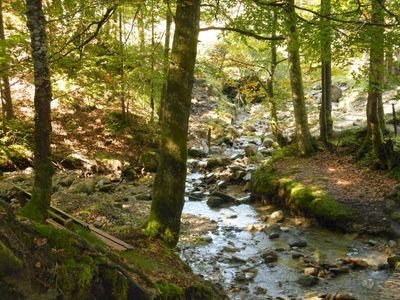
<point x="216" y="201"/>
<point x="197" y="153"/>
<point x="270" y="256"/>
<point x="336" y="93"/>
<point x="297" y="255"/>
<point x="310" y="271"/>
<point x="307" y="280"/>
<point x="274" y="235"/>
<point x="251" y="150"/>
<point x="298" y="244"/>
<point x="276" y="217"/>
<point x="268" y="143"/>
<point x="250" y="128"/>
<point x="85" y="186"/>
<point x="394" y="261"/>
<point x="357" y="262"/>
<point x="214" y="162"/>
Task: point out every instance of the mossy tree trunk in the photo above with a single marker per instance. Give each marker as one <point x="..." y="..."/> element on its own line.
<point x="38" y="205"/>
<point x="276" y="130"/>
<point x="376" y="82"/>
<point x="6" y="91"/>
<point x="303" y="134"/>
<point x="169" y="184"/>
<point x="326" y="124"/>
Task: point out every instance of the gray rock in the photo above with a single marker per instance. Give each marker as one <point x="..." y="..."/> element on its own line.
<point x="214" y="201"/>
<point x="197" y="153"/>
<point x="297" y="255"/>
<point x="298" y="244"/>
<point x="250" y="128"/>
<point x="274" y="235"/>
<point x="214" y="162"/>
<point x="268" y="143"/>
<point x="251" y="150"/>
<point x="336" y="93"/>
<point x="307" y="281"/>
<point x="276" y="217"/>
<point x="270" y="256"/>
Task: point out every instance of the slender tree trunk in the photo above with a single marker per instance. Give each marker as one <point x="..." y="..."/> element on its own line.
<point x="169" y="184"/>
<point x="122" y="63"/>
<point x="326" y="124"/>
<point x="376" y="81"/>
<point x="303" y="134"/>
<point x="38" y="205"/>
<point x="153" y="50"/>
<point x="167" y="41"/>
<point x="6" y="91"/>
<point x="276" y="130"/>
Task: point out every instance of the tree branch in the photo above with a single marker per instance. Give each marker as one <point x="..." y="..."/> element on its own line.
<point x="244" y="32"/>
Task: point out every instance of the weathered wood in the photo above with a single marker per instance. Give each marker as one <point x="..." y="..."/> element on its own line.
<point x="61" y="219"/>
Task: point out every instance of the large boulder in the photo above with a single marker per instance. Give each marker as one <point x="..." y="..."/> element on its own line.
<point x="336" y="93"/>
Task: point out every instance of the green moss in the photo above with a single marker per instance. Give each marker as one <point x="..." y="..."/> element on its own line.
<point x="93" y="240"/>
<point x="309" y="199"/>
<point x="8" y="261"/>
<point x="74" y="278"/>
<point x="117" y="284"/>
<point x="169" y="291"/>
<point x="139" y="260"/>
<point x="263" y="181"/>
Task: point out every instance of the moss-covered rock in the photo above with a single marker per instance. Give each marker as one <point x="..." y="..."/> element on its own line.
<point x="149" y="161"/>
<point x="311" y="200"/>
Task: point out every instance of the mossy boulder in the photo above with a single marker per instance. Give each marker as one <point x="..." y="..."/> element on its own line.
<point x="15" y="156"/>
<point x="267" y="185"/>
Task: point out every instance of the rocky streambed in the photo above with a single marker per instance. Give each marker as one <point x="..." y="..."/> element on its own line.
<point x="258" y="251"/>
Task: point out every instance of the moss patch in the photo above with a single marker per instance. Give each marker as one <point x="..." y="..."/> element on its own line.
<point x="311" y="200"/>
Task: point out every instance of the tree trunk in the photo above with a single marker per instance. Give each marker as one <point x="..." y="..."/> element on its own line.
<point x="6" y="91"/>
<point x="122" y="63"/>
<point x="303" y="134"/>
<point x="276" y="130"/>
<point x="38" y="205"/>
<point x="376" y="81"/>
<point x="169" y="184"/>
<point x="326" y="124"/>
<point x="153" y="53"/>
<point x="167" y="41"/>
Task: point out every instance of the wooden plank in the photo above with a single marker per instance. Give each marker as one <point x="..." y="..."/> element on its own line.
<point x="93" y="229"/>
<point x="64" y="217"/>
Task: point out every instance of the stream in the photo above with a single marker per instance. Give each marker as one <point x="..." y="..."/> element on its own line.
<point x="233" y="255"/>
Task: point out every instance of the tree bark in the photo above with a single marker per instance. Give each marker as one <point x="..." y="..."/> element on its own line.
<point x="326" y="124"/>
<point x="169" y="184"/>
<point x="6" y="91"/>
<point x="303" y="134"/>
<point x="167" y="41"/>
<point x="276" y="130"/>
<point x="376" y="82"/>
<point x="38" y="205"/>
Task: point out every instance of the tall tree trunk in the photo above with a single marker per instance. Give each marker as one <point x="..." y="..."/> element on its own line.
<point x="326" y="124"/>
<point x="153" y="53"/>
<point x="167" y="41"/>
<point x="122" y="63"/>
<point x="276" y="130"/>
<point x="6" y="91"/>
<point x="376" y="82"/>
<point x="169" y="184"/>
<point x="303" y="134"/>
<point x="37" y="207"/>
<point x="389" y="63"/>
